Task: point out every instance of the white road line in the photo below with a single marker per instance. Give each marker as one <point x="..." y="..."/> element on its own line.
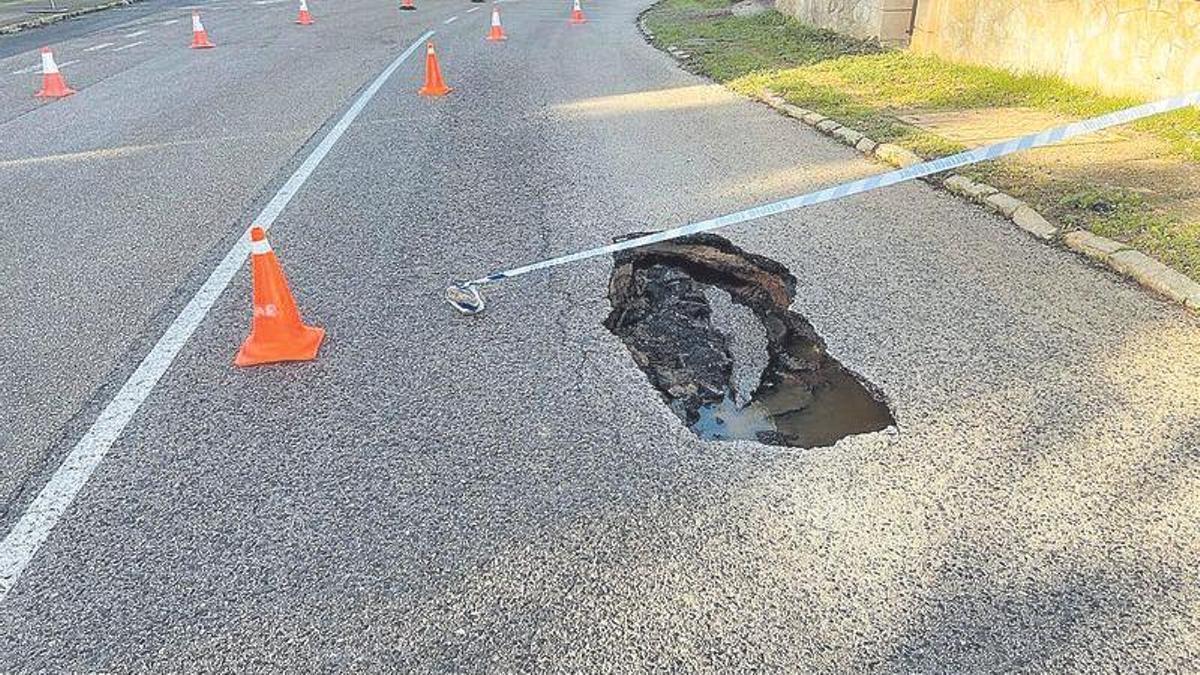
<point x="68" y="63"/>
<point x="98" y="47"/>
<point x="131" y="44"/>
<point x="136" y="33"/>
<point x="473" y="9"/>
<point x="172" y="21"/>
<point x="30" y="69"/>
<point x="40" y="517"/>
<point x="450" y="20"/>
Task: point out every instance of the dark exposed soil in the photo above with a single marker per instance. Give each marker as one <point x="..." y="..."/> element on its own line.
<point x="662" y="314"/>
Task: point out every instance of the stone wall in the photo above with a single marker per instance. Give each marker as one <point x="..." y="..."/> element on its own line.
<point x="887" y="20"/>
<point x="1125" y="47"/>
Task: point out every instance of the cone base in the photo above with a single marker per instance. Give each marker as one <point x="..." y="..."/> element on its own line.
<point x="54" y="86"/>
<point x="202" y="45"/>
<point x="407" y="8"/>
<point x="434" y="91"/>
<point x="302" y="347"/>
<point x="576" y="21"/>
<point x="496" y="38"/>
<point x="304" y="22"/>
<point x="57" y="93"/>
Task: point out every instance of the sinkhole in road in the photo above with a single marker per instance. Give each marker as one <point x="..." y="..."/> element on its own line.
<point x="710" y="325"/>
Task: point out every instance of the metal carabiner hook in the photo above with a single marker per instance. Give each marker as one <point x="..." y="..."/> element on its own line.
<point x="465" y="297"/>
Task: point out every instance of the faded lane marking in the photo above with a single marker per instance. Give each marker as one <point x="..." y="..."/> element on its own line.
<point x="48" y="507"/>
<point x="450" y="20"/>
<point x="118" y="151"/>
<point x="136" y="33"/>
<point x="131" y="44"/>
<point x="96" y="48"/>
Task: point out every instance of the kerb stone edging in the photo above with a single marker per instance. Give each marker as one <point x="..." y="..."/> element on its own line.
<point x="1118" y="257"/>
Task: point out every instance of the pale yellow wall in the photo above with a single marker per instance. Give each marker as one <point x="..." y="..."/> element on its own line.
<point x="1141" y="47"/>
<point x="887" y="20"/>
<point x="859" y="18"/>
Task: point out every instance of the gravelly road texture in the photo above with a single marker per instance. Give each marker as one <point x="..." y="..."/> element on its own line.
<point x="508" y="492"/>
<point x="127" y="193"/>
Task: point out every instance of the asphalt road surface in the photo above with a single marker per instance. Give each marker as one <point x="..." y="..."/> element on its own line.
<point x="507" y="492"/>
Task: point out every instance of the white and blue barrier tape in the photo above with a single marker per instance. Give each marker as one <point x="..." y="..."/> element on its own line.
<point x="465" y="295"/>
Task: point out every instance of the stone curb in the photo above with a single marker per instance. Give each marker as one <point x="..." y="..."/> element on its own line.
<point x="641" y="24"/>
<point x="1116" y="256"/>
<point x="47" y="19"/>
<point x="1119" y="258"/>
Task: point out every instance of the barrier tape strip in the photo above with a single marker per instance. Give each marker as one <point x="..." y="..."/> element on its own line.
<point x="995" y="151"/>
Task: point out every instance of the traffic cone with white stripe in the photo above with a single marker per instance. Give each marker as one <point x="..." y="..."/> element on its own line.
<point x="305" y="19"/>
<point x="434" y="86"/>
<point x="53" y="84"/>
<point x="497" y="33"/>
<point x="199" y="35"/>
<point x="276" y="332"/>
<point x="577" y="16"/>
<point x="407" y="5"/>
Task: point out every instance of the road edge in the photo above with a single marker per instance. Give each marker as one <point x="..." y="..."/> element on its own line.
<point x="47" y="19"/>
<point x="1117" y="257"/>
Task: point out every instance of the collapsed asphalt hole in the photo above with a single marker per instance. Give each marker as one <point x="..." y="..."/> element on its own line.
<point x="710" y="325"/>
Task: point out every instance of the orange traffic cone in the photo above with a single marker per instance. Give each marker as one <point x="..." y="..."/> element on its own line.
<point x="497" y="33"/>
<point x="305" y="19"/>
<point x="434" y="86"/>
<point x="276" y="333"/>
<point x="199" y="35"/>
<point x="53" y="84"/>
<point x="407" y="5"/>
<point x="577" y="16"/>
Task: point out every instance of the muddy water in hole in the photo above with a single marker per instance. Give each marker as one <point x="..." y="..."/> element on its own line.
<point x="790" y="414"/>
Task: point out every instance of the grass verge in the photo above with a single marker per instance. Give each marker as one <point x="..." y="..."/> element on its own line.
<point x="868" y="87"/>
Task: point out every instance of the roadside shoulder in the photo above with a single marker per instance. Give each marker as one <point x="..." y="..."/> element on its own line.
<point x="47" y="19"/>
<point x="1117" y="257"/>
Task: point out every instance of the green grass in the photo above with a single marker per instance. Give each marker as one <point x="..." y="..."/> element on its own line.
<point x="866" y="86"/>
<point x="857" y="80"/>
<point x="1120" y="214"/>
<point x="730" y="47"/>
